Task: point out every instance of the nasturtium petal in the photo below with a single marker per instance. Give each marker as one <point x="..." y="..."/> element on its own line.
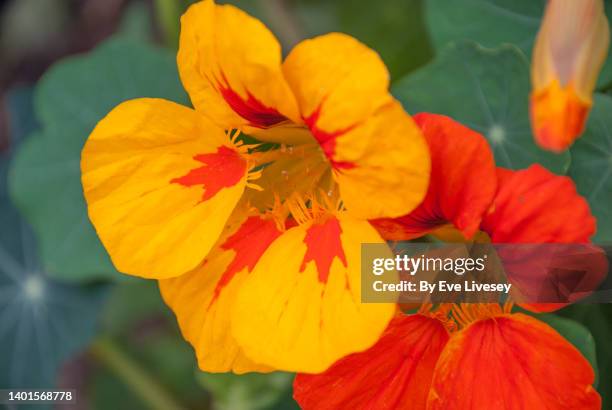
<point x="300" y="309"/>
<point x="390" y="177"/>
<point x="462" y="183"/>
<point x="578" y="335"/>
<point x="45" y="177"/>
<point x="486" y="90"/>
<point x="338" y="82"/>
<point x="536" y="206"/>
<point x="512" y="362"/>
<point x="230" y="65"/>
<point x="395" y="373"/>
<point x="203" y="299"/>
<point x="160" y="182"/>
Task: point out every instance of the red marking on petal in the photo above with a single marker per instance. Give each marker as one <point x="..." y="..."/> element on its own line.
<point x="221" y="169"/>
<point x="249" y="243"/>
<point x="327" y="140"/>
<point x="251" y="109"/>
<point x="323" y="244"/>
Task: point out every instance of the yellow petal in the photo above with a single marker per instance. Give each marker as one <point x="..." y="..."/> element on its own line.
<point x="230" y="64"/>
<point x="337" y="77"/>
<point x="379" y="156"/>
<point x="570" y="50"/>
<point x="390" y="178"/>
<point x="160" y="183"/>
<point x="203" y="299"/>
<point x="300" y="309"/>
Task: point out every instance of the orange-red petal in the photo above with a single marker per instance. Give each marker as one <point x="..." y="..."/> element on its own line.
<point x="462" y="182"/>
<point x="512" y="362"/>
<point x="395" y="373"/>
<point x="536" y="206"/>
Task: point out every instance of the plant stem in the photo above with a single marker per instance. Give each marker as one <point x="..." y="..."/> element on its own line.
<point x="168" y="14"/>
<point x="139" y="382"/>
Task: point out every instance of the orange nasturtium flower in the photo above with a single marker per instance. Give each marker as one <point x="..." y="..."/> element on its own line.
<point x="469" y="199"/>
<point x="269" y="277"/>
<point x="470" y="356"/>
<point x="470" y="195"/>
<point x="569" y="52"/>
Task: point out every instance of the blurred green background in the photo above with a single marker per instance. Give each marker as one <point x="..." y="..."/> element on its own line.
<point x="69" y="320"/>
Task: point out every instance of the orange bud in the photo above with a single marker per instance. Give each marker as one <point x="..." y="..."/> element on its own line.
<point x="570" y="50"/>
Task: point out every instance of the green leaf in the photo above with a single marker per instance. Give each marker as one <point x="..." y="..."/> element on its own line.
<point x="42" y="322"/>
<point x="21" y="113"/>
<point x="576" y="334"/>
<point x="45" y="180"/>
<point x="132" y="302"/>
<point x="486" y="90"/>
<point x="488" y="22"/>
<point x="394" y="28"/>
<point x="251" y="391"/>
<point x="136" y="22"/>
<point x="492" y="23"/>
<point x="591" y="166"/>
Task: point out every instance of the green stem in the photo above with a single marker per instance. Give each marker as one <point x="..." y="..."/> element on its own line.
<point x="168" y="14"/>
<point x="139" y="382"/>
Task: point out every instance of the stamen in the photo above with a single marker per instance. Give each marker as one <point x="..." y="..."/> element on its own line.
<point x="278" y="213"/>
<point x="441" y="314"/>
<point x="468" y="313"/>
<point x="253" y="176"/>
<point x="254" y="186"/>
<point x="240" y="146"/>
<point x="299" y="210"/>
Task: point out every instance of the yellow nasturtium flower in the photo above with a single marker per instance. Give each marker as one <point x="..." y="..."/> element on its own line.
<point x="570" y="50"/>
<point x="265" y="278"/>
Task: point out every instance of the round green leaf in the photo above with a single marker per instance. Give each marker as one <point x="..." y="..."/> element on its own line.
<point x="486" y="90"/>
<point x="591" y="166"/>
<point x="78" y="92"/>
<point x="493" y="23"/>
<point x="42" y="322"/>
<point x="45" y="180"/>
